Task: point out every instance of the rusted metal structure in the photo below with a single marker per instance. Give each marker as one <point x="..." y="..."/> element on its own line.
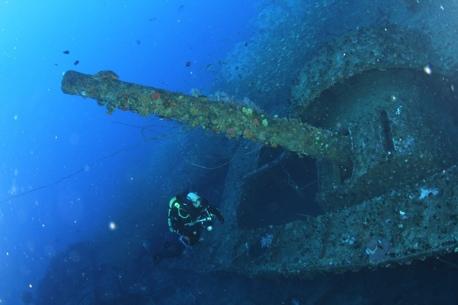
<point x="377" y="110"/>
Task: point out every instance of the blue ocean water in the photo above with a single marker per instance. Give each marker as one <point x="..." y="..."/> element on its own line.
<point x="67" y="168"/>
<point x="84" y="194"/>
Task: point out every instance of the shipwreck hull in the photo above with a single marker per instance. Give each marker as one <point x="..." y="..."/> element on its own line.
<point x="397" y="202"/>
<point x="377" y="111"/>
<point x="413" y="222"/>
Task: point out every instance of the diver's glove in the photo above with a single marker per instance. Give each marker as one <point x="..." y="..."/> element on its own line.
<point x="220" y="218"/>
<point x="216" y="213"/>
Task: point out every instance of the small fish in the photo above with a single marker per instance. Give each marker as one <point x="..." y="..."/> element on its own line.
<point x="188" y="63"/>
<point x="66" y="52"/>
<point x="76" y="62"/>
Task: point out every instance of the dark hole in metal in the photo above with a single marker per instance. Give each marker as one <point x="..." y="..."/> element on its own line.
<point x="345" y="170"/>
<point x="386" y="132"/>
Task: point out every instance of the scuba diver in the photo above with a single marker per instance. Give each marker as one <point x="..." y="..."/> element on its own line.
<point x="189" y="214"/>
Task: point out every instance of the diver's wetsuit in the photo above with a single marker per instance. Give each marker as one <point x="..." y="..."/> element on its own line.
<point x="187" y="220"/>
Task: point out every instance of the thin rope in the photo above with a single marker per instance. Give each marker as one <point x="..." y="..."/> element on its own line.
<point x="92" y="163"/>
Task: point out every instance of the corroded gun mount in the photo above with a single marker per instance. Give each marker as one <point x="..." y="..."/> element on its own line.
<point x="232" y="119"/>
<point x="395" y="94"/>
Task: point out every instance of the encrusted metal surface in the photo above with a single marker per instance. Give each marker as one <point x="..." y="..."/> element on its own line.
<point x="405" y="224"/>
<point x="402" y="126"/>
<point x="382" y="48"/>
<point x="231" y="119"/>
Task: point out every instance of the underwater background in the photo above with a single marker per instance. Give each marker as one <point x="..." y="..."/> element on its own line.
<point x="84" y="193"/>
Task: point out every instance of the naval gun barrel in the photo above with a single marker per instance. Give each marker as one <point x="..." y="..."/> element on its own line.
<point x="232" y="119"/>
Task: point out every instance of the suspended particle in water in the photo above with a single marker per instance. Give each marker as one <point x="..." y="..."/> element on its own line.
<point x="112" y="225"/>
<point x="427" y="69"/>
